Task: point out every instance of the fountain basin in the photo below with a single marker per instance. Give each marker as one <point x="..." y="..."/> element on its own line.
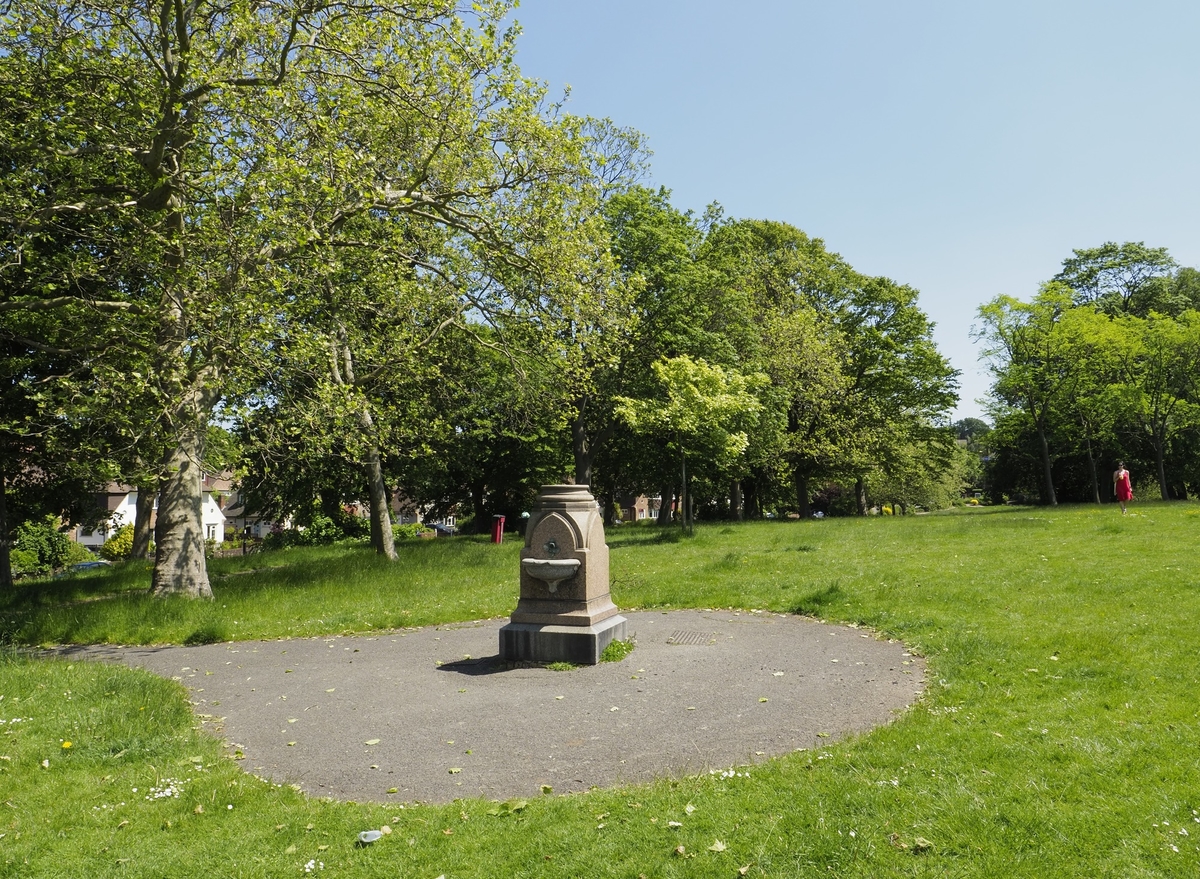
<point x="551" y="571"/>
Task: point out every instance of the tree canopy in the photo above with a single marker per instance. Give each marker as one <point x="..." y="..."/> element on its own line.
<point x="359" y="237"/>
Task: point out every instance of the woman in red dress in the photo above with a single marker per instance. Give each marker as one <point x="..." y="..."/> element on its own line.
<point x="1122" y="487"/>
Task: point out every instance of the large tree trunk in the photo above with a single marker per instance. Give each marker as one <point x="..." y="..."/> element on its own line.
<point x="736" y="511"/>
<point x="608" y="507"/>
<point x="751" y="499"/>
<point x="802" y="495"/>
<point x="382" y="537"/>
<point x="482" y="523"/>
<point x="147" y="494"/>
<point x="665" y="503"/>
<point x="344" y="375"/>
<point x="1161" y="466"/>
<point x="1048" y="496"/>
<point x="860" y="495"/>
<point x="585" y="448"/>
<point x="179" y="564"/>
<point x="6" y="578"/>
<point x="1095" y="477"/>
<point x="583" y="451"/>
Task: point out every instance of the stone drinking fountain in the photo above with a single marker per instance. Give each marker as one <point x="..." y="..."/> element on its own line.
<point x="565" y="612"/>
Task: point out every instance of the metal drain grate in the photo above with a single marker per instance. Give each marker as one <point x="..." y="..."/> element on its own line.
<point x="693" y="639"/>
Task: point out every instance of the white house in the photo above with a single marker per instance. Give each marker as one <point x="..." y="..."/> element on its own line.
<point x="121" y="503"/>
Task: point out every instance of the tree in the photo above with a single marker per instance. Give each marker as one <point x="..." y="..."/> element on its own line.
<point x="776" y="290"/>
<point x="899" y="386"/>
<point x="1034" y="365"/>
<point x="244" y="146"/>
<point x="1159" y="364"/>
<point x="704" y="411"/>
<point x="1128" y="278"/>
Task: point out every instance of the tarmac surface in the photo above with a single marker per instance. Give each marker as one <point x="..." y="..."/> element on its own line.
<point x="431" y="715"/>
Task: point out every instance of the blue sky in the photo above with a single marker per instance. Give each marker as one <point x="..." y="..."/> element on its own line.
<point x="962" y="148"/>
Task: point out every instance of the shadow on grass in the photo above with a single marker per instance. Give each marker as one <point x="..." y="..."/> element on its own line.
<point x="645" y="537"/>
<point x="812" y="604"/>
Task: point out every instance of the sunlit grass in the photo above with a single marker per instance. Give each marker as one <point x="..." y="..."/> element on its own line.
<point x="1059" y="735"/>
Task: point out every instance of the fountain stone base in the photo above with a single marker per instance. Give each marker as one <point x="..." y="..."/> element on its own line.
<point x="565" y="612"/>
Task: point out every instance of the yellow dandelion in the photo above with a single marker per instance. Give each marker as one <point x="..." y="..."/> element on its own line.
<point x="66" y="745"/>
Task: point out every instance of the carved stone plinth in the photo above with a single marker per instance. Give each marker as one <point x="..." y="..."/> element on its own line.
<point x="565" y="612"/>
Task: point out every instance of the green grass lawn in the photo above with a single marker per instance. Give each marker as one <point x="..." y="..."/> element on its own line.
<point x="1058" y="737"/>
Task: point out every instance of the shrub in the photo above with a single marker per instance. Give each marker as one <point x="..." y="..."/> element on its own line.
<point x="77" y="552"/>
<point x="40" y="548"/>
<point x="320" y="530"/>
<point x="119" y="546"/>
<point x="409" y="532"/>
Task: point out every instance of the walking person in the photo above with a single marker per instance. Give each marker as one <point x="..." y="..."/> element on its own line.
<point x="1122" y="486"/>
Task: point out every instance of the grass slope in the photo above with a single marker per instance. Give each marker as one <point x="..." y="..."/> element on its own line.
<point x="1058" y="738"/>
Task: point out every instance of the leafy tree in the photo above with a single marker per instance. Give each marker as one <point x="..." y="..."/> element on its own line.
<point x="776" y="291"/>
<point x="1035" y="365"/>
<point x="1128" y="278"/>
<point x="899" y="386"/>
<point x="704" y="411"/>
<point x="1159" y="365"/>
<point x="243" y="150"/>
<point x="970" y="429"/>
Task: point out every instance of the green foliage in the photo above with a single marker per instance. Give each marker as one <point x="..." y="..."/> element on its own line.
<point x="119" y="546"/>
<point x="1128" y="278"/>
<point x="319" y="530"/>
<point x="617" y="650"/>
<point x="407" y="532"/>
<point x="1101" y="366"/>
<point x="40" y="548"/>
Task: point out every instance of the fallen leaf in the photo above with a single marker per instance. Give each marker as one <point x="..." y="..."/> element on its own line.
<point x="508" y="807"/>
<point x="674" y="824"/>
<point x="921" y="844"/>
<point x="371" y="742"/>
<point x="742" y="871"/>
<point x="679" y="850"/>
<point x="455" y="770"/>
<point x="393" y="790"/>
<point x="717" y="846"/>
<point x="546" y="788"/>
<point x="762" y="699"/>
<point x="689" y="808"/>
<point x="823" y="735"/>
<point x="291" y="744"/>
<point x="448" y="832"/>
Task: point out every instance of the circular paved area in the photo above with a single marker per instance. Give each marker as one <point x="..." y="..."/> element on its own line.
<point x="431" y="715"/>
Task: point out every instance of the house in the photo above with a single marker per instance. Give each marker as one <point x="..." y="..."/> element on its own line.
<point x="120" y="501"/>
<point x="636" y="509"/>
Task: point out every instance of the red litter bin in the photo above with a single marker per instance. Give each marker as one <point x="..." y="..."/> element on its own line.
<point x="497" y="529"/>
